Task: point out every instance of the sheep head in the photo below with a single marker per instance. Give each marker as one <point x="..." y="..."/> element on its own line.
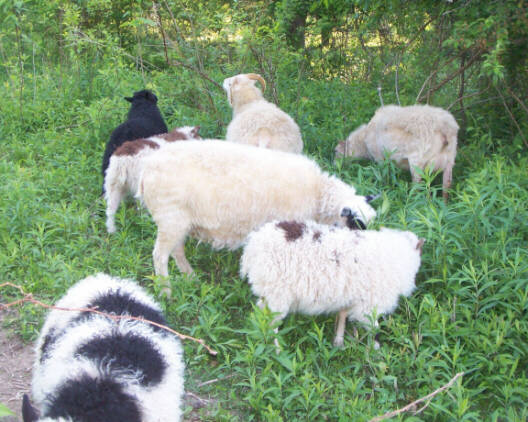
<point x="143" y="95"/>
<point x="354" y="145"/>
<point x="241" y="89"/>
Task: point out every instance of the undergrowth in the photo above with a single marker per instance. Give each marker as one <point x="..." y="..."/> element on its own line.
<point x="467" y="314"/>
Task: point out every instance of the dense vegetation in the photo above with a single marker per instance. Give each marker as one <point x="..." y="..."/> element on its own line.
<point x="65" y="66"/>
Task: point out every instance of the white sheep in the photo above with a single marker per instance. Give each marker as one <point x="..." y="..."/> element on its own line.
<point x="220" y="191"/>
<point x="416" y="137"/>
<point x="256" y="121"/>
<point x="311" y="268"/>
<point x="126" y="162"/>
<point x="90" y="367"/>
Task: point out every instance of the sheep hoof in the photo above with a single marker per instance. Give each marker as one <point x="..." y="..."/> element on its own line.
<point x="110" y="228"/>
<point x="166" y="291"/>
<point x="339" y="343"/>
<point x="376" y="345"/>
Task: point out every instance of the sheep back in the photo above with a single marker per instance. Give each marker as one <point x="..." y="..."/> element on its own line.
<point x="261" y="123"/>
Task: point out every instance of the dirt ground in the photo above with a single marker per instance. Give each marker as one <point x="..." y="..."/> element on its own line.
<point x="16" y="360"/>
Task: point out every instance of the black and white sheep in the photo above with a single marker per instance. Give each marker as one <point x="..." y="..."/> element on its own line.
<point x="310" y="268"/>
<point x="144" y="120"/>
<point x="91" y="368"/>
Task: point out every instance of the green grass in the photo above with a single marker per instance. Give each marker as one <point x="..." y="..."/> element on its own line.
<point x="469" y="312"/>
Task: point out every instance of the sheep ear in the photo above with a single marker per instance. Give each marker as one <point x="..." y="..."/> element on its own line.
<point x="129" y="99"/>
<point x="151" y="96"/>
<point x="370" y="198"/>
<point x="29" y="413"/>
<point x="420" y="244"/>
<point x="346" y="212"/>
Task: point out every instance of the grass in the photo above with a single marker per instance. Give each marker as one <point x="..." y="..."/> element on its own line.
<point x="469" y="312"/>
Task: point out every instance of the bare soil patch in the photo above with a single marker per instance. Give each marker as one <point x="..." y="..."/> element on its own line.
<point x="16" y="360"/>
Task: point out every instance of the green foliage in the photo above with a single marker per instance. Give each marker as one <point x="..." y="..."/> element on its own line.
<point x="61" y="100"/>
<point x="4" y="411"/>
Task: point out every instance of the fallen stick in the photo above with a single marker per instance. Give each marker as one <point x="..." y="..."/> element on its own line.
<point x="414" y="403"/>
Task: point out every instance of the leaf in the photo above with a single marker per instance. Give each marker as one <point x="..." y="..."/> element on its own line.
<point x="4" y="411"/>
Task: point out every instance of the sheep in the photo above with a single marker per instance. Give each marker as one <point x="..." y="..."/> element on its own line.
<point x="144" y="119"/>
<point x="310" y="268"/>
<point x="92" y="368"/>
<point x="220" y="191"/>
<point x="417" y="136"/>
<point x="122" y="175"/>
<point x="256" y="121"/>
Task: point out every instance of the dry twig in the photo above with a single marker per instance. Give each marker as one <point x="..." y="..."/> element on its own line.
<point x="412" y="405"/>
<point x="28" y="298"/>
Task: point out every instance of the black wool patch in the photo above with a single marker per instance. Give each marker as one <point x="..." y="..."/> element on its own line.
<point x="127" y="351"/>
<point x="122" y="303"/>
<point x="49" y="339"/>
<point x="93" y="400"/>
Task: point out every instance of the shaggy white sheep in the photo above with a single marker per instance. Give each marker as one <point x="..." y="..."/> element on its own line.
<point x="126" y="163"/>
<point x="311" y="268"/>
<point x="220" y="191"/>
<point x="257" y="121"/>
<point x="415" y="136"/>
<point x="90" y="367"/>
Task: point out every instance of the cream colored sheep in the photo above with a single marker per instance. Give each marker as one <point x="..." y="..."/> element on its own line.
<point x="415" y="136"/>
<point x="257" y="121"/>
<point x="220" y="191"/>
<point x="295" y="266"/>
<point x="122" y="174"/>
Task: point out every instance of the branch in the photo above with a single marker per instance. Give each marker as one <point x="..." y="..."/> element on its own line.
<point x="453" y="75"/>
<point x="414" y="403"/>
<point x="202" y="74"/>
<point x="28" y="297"/>
<point x="512" y="117"/>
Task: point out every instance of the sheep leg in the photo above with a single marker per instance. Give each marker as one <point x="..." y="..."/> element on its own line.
<point x="113" y="199"/>
<point x="340" y="328"/>
<point x="416" y="178"/>
<point x="277" y="319"/>
<point x="446" y="182"/>
<point x="168" y="241"/>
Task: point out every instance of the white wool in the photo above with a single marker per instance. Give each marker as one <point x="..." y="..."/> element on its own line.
<point x="415" y="136"/>
<point x="258" y="122"/>
<point x="220" y="191"/>
<point x="122" y="174"/>
<point x="329" y="269"/>
<point x="160" y="402"/>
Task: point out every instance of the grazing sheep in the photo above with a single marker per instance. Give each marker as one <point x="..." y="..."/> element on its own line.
<point x="144" y="120"/>
<point x="311" y="268"/>
<point x="126" y="163"/>
<point x="220" y="191"/>
<point x="92" y="368"/>
<point x="416" y="136"/>
<point x="257" y="121"/>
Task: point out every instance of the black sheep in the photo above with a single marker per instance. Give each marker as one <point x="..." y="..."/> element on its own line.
<point x="144" y="120"/>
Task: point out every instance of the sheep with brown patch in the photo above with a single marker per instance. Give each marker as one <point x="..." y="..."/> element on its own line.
<point x="257" y="121"/>
<point x="219" y="192"/>
<point x="126" y="164"/>
<point x="416" y="136"/>
<point x="310" y="268"/>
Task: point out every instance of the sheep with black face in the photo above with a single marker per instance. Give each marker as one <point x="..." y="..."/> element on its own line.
<point x="92" y="368"/>
<point x="220" y="191"/>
